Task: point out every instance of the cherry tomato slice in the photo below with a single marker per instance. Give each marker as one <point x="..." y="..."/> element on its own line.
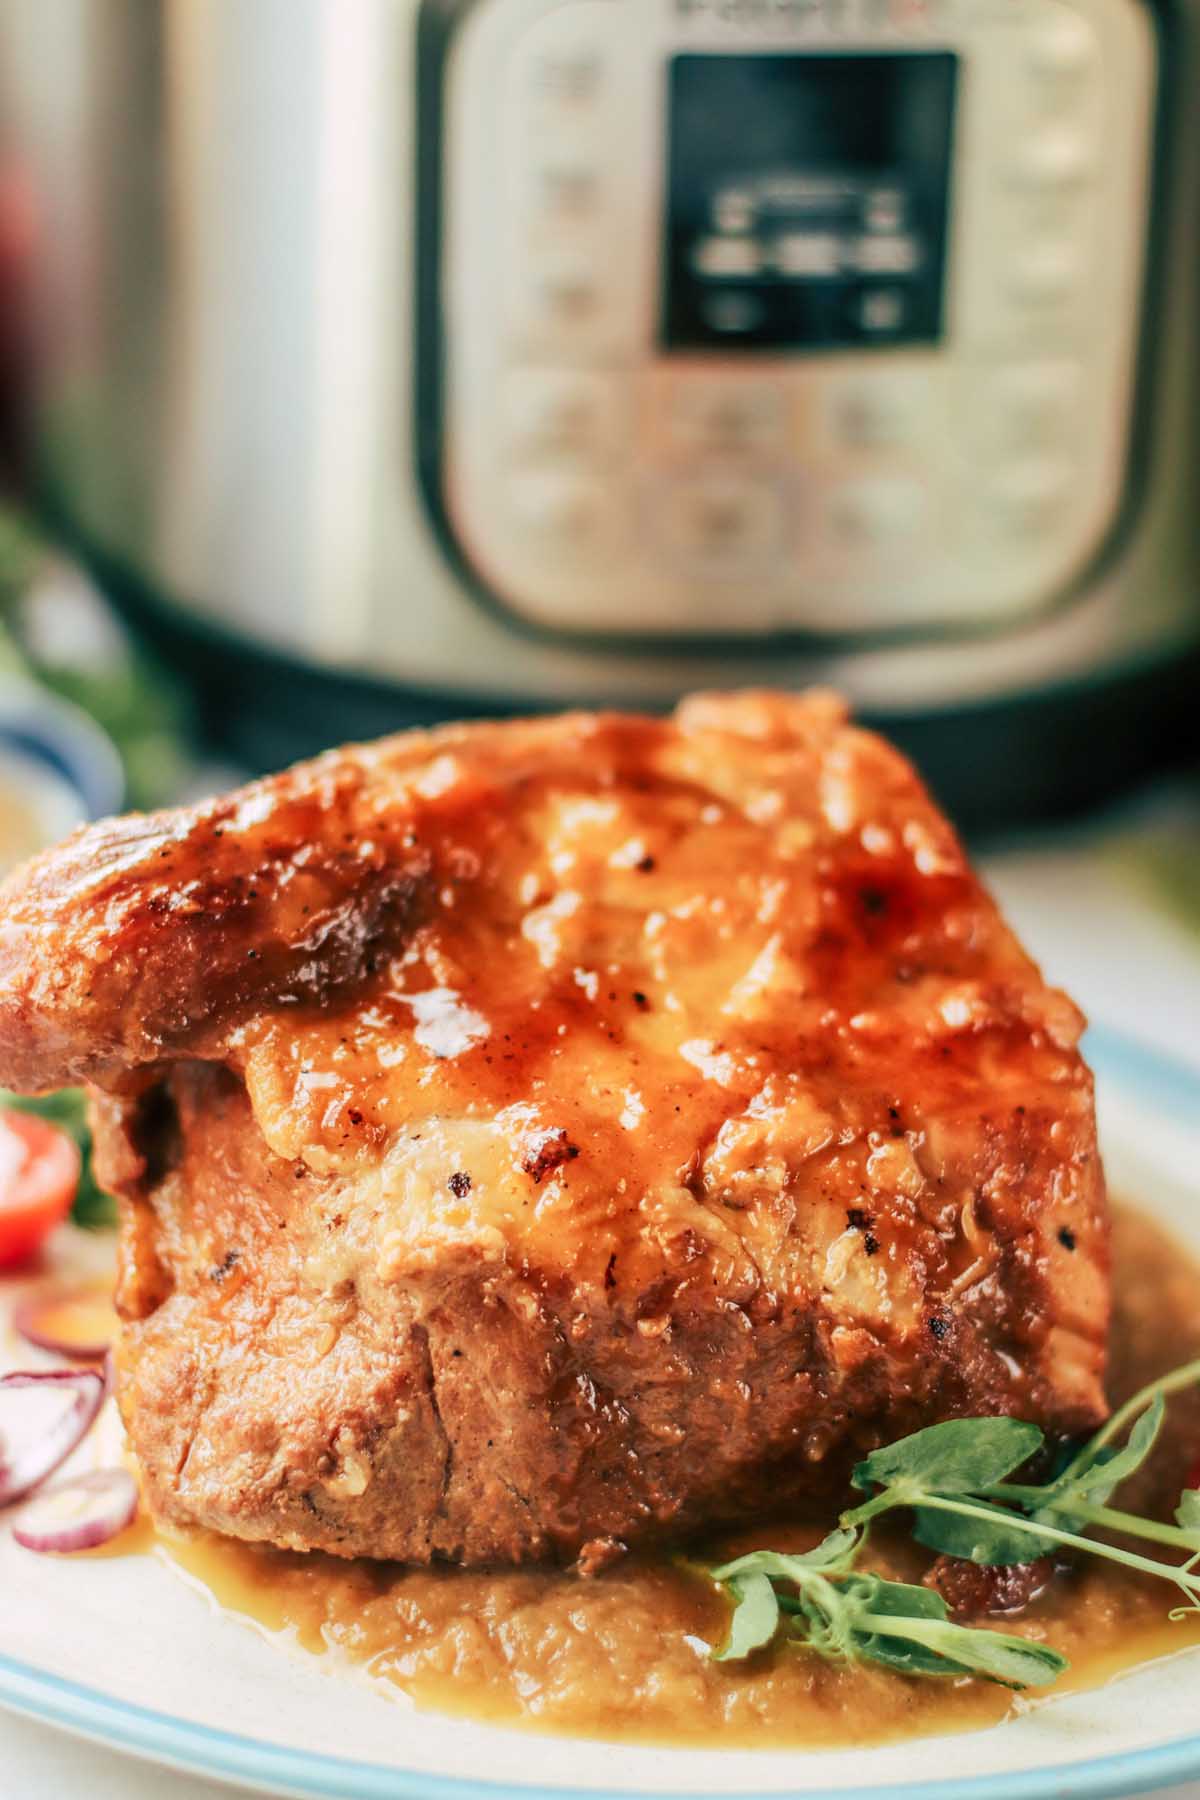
<point x="39" y="1174"/>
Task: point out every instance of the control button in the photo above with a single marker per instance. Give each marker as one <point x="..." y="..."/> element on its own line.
<point x="881" y="312"/>
<point x="807" y="255"/>
<point x="565" y="513"/>
<point x="564" y="189"/>
<point x="1030" y="497"/>
<point x="720" y="520"/>
<point x="878" y="511"/>
<point x="733" y="312"/>
<point x="879" y="411"/>
<point x="734" y="417"/>
<point x="885" y="209"/>
<point x="734" y="209"/>
<point x="1030" y="406"/>
<point x="563" y="289"/>
<point x="1061" y="48"/>
<point x="566" y="411"/>
<point x="1046" y="273"/>
<point x="1054" y="159"/>
<point x="722" y="258"/>
<point x="570" y="73"/>
<point x="885" y="254"/>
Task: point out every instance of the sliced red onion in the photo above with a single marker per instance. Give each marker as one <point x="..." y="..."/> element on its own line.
<point x="43" y="1415"/>
<point x="80" y="1513"/>
<point x="76" y="1322"/>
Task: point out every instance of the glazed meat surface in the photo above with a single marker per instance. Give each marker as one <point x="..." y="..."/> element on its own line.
<point x="539" y="1138"/>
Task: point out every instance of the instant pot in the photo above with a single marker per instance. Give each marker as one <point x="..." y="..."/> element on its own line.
<point x="406" y="358"/>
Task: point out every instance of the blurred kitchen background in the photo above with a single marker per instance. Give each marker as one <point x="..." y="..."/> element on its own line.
<point x="369" y="362"/>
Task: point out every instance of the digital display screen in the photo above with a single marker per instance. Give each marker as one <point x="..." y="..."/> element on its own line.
<point x="807" y="200"/>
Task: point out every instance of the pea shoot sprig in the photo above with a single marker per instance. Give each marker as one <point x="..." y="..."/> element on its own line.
<point x="847" y="1615"/>
<point x="953" y="1479"/>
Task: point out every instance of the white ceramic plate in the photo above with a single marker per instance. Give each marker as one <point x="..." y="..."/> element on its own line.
<point x="123" y="1650"/>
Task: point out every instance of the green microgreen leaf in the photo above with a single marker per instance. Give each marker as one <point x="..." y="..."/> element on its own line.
<point x="833" y="1552"/>
<point x="959" y="1456"/>
<point x="1095" y="1482"/>
<point x="908" y="1628"/>
<point x="1187" y="1375"/>
<point x="755" y="1617"/>
<point x="898" y="1599"/>
<point x="1187" y="1513"/>
<point x="1000" y="1539"/>
<point x="905" y="1657"/>
<point x="958" y="1649"/>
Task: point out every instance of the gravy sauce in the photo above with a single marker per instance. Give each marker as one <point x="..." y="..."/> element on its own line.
<point x="625" y="1654"/>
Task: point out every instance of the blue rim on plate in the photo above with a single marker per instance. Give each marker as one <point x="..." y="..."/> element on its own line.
<point x="1167" y="1086"/>
<point x="65" y="741"/>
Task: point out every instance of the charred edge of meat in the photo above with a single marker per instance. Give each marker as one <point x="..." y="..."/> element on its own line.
<point x="549" y="1155"/>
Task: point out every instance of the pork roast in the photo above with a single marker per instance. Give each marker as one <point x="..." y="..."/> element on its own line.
<point x="534" y="1139"/>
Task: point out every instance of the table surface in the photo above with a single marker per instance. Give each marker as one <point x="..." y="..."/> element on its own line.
<point x="1112" y="912"/>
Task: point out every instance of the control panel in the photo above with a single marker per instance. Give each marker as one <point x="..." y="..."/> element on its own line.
<point x="816" y="316"/>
